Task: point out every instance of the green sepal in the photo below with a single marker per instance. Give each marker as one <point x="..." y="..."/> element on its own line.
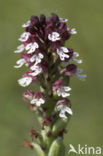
<point x="57" y="148"/>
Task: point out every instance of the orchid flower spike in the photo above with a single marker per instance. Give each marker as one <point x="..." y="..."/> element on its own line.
<point x="50" y="65"/>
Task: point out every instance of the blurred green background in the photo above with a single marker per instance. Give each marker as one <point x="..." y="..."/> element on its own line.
<point x="86" y="125"/>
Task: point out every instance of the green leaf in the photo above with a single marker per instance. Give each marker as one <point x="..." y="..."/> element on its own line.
<point x="38" y="149"/>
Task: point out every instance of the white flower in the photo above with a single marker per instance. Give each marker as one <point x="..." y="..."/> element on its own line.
<point x="37" y="101"/>
<point x="19" y="49"/>
<point x="73" y="31"/>
<point x="27" y="24"/>
<point x="63" y="20"/>
<point x="37" y="70"/>
<point x="31" y="47"/>
<point x="80" y="77"/>
<point x="75" y="54"/>
<point x="63" y="109"/>
<point x="24" y="37"/>
<point x="62" y="91"/>
<point x="37" y="58"/>
<point x="25" y="81"/>
<point x="54" y="36"/>
<point x="20" y="63"/>
<point x="61" y="52"/>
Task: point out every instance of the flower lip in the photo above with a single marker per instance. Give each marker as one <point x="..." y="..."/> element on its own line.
<point x="24" y="37"/>
<point x="64" y="106"/>
<point x="38" y="98"/>
<point x="54" y="36"/>
<point x="79" y="76"/>
<point x="60" y="88"/>
<point x="25" y="81"/>
<point x="63" y="91"/>
<point x="37" y="58"/>
<point x="76" y="54"/>
<point x="32" y="47"/>
<point x="63" y="20"/>
<point x="36" y="69"/>
<point x="19" y="49"/>
<point x="73" y="31"/>
<point x="63" y="53"/>
<point x="20" y="63"/>
<point x="26" y="24"/>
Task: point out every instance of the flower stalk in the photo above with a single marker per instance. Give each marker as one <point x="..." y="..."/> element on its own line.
<point x="51" y="65"/>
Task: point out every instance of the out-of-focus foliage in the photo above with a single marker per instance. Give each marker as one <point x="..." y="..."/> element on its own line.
<point x="86" y="125"/>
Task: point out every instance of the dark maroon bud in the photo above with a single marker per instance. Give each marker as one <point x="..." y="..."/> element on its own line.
<point x="55" y="18"/>
<point x="34" y="20"/>
<point x="65" y="35"/>
<point x="44" y="66"/>
<point x="70" y="52"/>
<point x="70" y="70"/>
<point x="55" y="46"/>
<point x="30" y="29"/>
<point x="42" y="19"/>
<point x="62" y="28"/>
<point x="35" y="38"/>
<point x="49" y="29"/>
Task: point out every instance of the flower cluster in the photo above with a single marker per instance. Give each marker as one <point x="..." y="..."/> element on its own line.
<point x="42" y="48"/>
<point x="49" y="63"/>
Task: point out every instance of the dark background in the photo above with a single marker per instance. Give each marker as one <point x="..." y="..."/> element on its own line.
<point x="86" y="125"/>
